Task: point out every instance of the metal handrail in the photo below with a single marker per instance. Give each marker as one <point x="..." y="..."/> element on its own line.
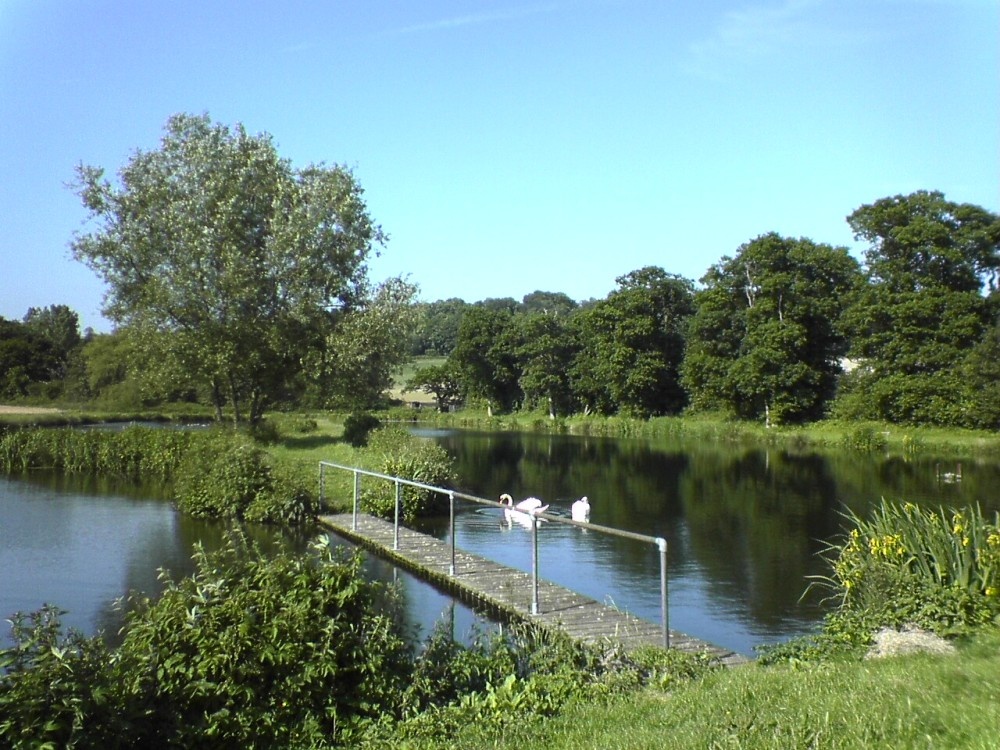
<point x="660" y="542"/>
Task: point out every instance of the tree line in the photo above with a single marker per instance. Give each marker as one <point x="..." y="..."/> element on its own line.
<point x="238" y="280"/>
<point x="786" y="331"/>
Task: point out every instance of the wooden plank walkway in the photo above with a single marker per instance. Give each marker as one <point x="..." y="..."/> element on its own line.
<point x="505" y="590"/>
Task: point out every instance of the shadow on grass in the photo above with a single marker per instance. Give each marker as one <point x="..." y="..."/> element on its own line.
<point x="310" y="442"/>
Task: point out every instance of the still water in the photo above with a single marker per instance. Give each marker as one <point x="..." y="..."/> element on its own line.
<point x="744" y="526"/>
<point x="80" y="544"/>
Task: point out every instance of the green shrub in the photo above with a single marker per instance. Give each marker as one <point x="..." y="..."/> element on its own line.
<point x="866" y="438"/>
<point x="357" y="428"/>
<point x="54" y="689"/>
<point x="395" y="452"/>
<point x="938" y="569"/>
<point x="226" y="476"/>
<point x="250" y="651"/>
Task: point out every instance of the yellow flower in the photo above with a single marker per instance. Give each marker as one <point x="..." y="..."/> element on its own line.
<point x="992" y="591"/>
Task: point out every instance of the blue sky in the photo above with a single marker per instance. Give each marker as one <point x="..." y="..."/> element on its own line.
<point x="510" y="146"/>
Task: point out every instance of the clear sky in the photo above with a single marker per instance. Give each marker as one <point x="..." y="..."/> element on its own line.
<point x="509" y="146"/>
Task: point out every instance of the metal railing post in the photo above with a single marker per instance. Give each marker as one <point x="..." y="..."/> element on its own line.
<point x="534" y="565"/>
<point x="451" y="512"/>
<point x="664" y="617"/>
<point x="322" y="485"/>
<point x="395" y="526"/>
<point x="357" y="500"/>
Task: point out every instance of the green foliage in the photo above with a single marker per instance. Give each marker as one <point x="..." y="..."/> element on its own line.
<point x="866" y="438"/>
<point x="54" y="689"/>
<point x="765" y="340"/>
<point x="545" y="354"/>
<point x="135" y="453"/>
<point x="631" y="346"/>
<point x="223" y="261"/>
<point x="394" y="452"/>
<point x="263" y="652"/>
<point x="357" y="428"/>
<point x="355" y="366"/>
<point x="902" y="553"/>
<point x="485" y="359"/>
<point x="922" y="314"/>
<point x="443" y="381"/>
<point x="26" y="357"/>
<point x="939" y="570"/>
<point x="250" y="651"/>
<point x="226" y="476"/>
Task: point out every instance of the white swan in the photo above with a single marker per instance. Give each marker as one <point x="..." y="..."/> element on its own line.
<point x="580" y="510"/>
<point x="523" y="513"/>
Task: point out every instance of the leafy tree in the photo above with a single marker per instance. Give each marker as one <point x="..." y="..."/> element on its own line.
<point x="551" y="303"/>
<point x="545" y="354"/>
<point x="25" y="358"/>
<point x="437" y="330"/>
<point x="221" y="255"/>
<point x="441" y="381"/>
<point x="923" y="309"/>
<point x="631" y="345"/>
<point x="359" y="356"/>
<point x="485" y="358"/>
<point x="60" y="327"/>
<point x="980" y="378"/>
<point x="764" y="341"/>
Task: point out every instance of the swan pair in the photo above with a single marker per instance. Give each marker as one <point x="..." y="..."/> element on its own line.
<point x="523" y="512"/>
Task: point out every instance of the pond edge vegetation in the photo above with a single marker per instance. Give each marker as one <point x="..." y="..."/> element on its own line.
<point x="889" y="571"/>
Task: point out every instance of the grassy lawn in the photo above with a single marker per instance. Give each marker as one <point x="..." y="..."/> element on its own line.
<point x="916" y="701"/>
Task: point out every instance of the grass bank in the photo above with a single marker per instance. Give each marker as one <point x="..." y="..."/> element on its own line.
<point x="903" y="702"/>
<point x="829" y="434"/>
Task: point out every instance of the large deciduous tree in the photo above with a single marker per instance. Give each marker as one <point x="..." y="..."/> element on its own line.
<point x="923" y="311"/>
<point x="631" y="345"/>
<point x="225" y="259"/>
<point x="545" y="354"/>
<point x="764" y="342"/>
<point x="485" y="358"/>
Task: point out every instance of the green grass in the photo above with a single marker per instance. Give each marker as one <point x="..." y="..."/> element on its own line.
<point x="906" y="702"/>
<point x="834" y="435"/>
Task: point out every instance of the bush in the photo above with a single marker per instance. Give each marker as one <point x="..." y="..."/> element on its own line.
<point x="939" y="570"/>
<point x="226" y="476"/>
<point x="249" y="651"/>
<point x="394" y="452"/>
<point x="866" y="438"/>
<point x="357" y="428"/>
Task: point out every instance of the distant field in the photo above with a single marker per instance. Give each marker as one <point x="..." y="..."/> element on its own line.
<point x="408" y="371"/>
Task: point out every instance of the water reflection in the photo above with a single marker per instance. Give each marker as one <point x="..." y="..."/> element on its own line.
<point x="744" y="526"/>
<point x="80" y="544"/>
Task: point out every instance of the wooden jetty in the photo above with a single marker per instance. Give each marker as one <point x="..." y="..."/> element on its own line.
<point x="485" y="583"/>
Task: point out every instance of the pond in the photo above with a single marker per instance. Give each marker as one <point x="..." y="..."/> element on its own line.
<point x="745" y="527"/>
<point x="81" y="543"/>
